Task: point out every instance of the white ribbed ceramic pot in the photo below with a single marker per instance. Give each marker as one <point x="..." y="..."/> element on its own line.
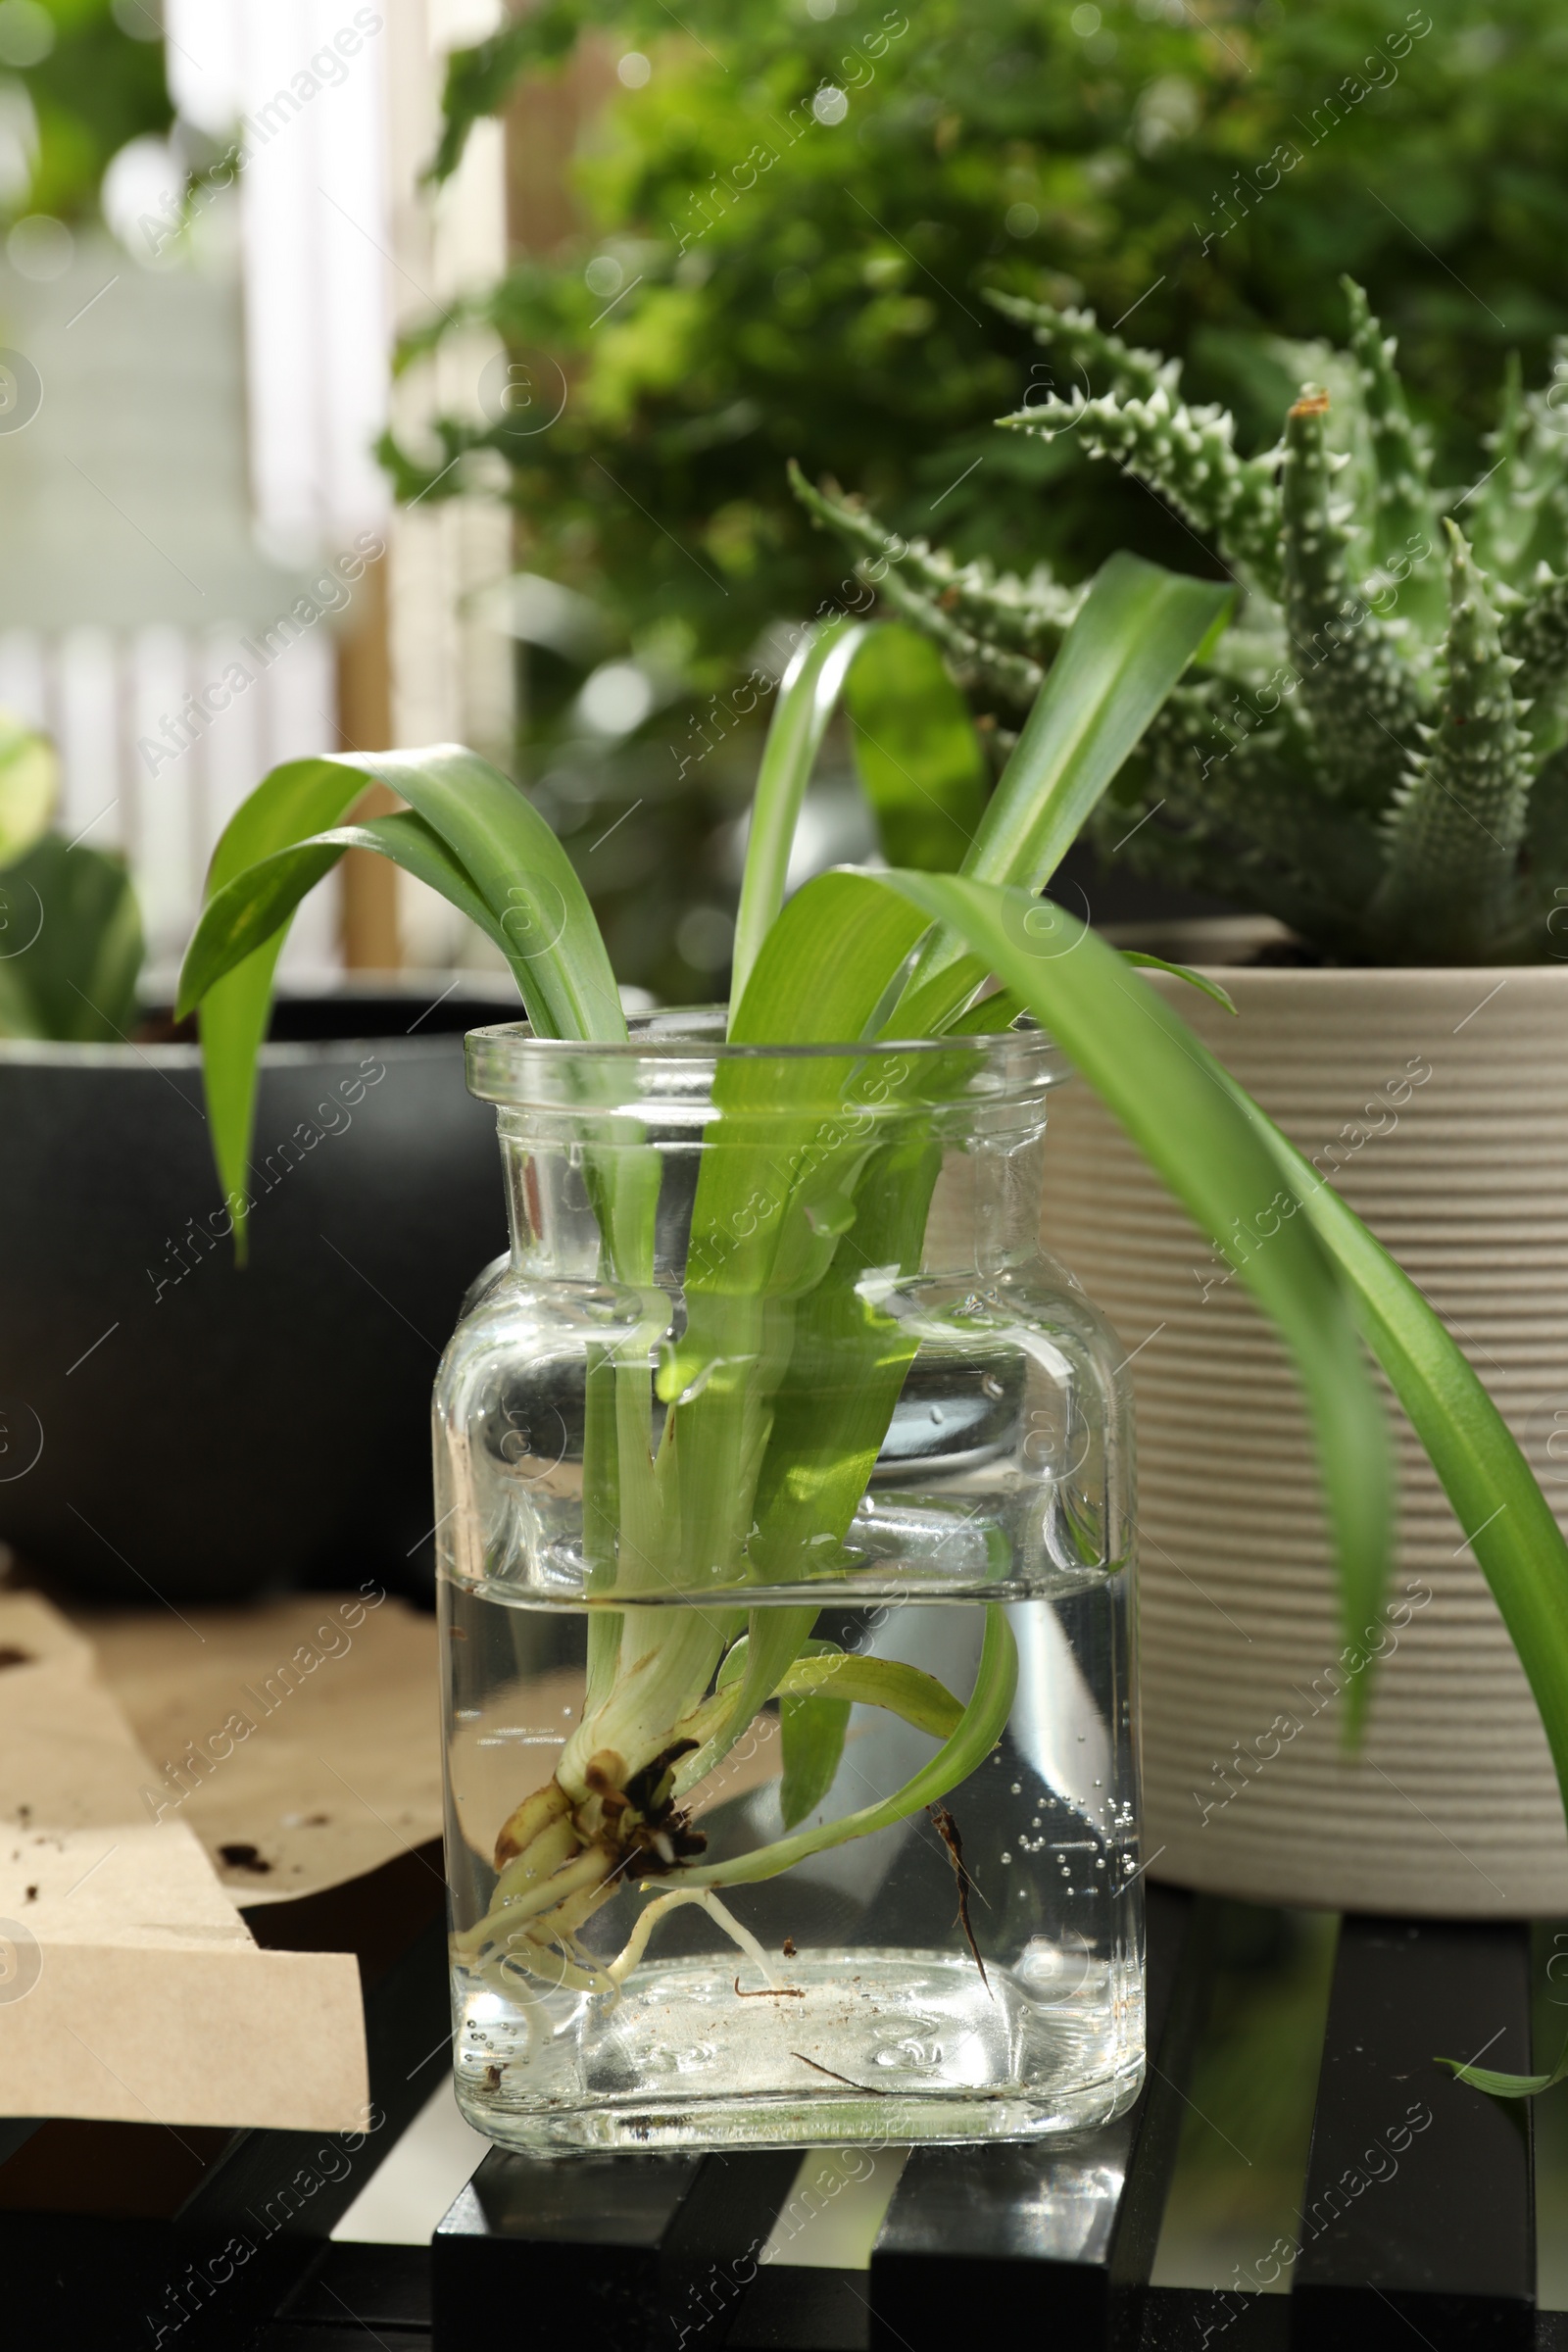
<point x="1438" y="1101"/>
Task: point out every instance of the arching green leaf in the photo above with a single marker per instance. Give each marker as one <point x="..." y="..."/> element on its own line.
<point x="807" y="696"/>
<point x="476" y="840"/>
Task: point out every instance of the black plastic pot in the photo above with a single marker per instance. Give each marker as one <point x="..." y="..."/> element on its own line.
<point x="174" y="1426"/>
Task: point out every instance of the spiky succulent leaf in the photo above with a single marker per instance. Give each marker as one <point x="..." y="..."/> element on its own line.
<point x="1536" y="633"/>
<point x="1544" y="448"/>
<point x="981" y="667"/>
<point x="1363" y="699"/>
<point x="1499" y="512"/>
<point x="1088" y="351"/>
<point x="1190" y="857"/>
<point x="1403" y="522"/>
<point x="1270" y="779"/>
<point x="1024" y="616"/>
<point x="1547" y="854"/>
<point x="1232" y="803"/>
<point x="1188" y="456"/>
<point x="1451" y="890"/>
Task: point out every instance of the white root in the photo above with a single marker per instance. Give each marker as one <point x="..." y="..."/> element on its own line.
<point x="553" y="1965"/>
<point x="636" y="1944"/>
<point x="548" y="1888"/>
<point x="545" y="1947"/>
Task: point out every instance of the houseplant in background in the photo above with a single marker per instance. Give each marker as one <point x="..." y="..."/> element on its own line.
<point x="767" y="234"/>
<point x="1375" y="759"/>
<point x="168" y="1427"/>
<point x="798" y="278"/>
<point x="765" y="1268"/>
<point x="70" y="944"/>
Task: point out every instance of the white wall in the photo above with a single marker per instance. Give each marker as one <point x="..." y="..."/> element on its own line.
<point x="132" y="573"/>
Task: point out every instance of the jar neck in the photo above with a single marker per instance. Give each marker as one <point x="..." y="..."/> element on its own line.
<point x="769" y="1160"/>
<point x="922" y="1205"/>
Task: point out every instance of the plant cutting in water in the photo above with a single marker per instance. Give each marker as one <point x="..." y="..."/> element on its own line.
<point x="750" y="1481"/>
<point x="1376" y="752"/>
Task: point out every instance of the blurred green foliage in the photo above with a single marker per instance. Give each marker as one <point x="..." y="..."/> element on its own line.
<point x="97" y="83"/>
<point x="787" y="223"/>
<point x="70" y="937"/>
<point x="72" y="944"/>
<point x="919" y="759"/>
<point x="828" y="310"/>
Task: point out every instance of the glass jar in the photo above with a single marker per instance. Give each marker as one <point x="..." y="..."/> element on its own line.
<point x="784" y="1490"/>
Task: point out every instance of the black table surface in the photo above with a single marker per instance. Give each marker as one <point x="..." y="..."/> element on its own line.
<point x="1410" y="2216"/>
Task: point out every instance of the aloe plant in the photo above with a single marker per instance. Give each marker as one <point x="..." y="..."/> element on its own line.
<point x="851" y="957"/>
<point x="1376" y="748"/>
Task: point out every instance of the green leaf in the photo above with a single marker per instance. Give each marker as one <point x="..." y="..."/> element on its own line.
<point x="1361" y="697"/>
<point x="987" y="1017"/>
<point x="70" y="945"/>
<point x="823" y="973"/>
<point x="825" y="1670"/>
<point x="832" y="1397"/>
<point x="906" y="1691"/>
<point x="921" y="763"/>
<point x="1099" y="356"/>
<point x="301" y="797"/>
<point x="479" y="80"/>
<point x="732" y="1665"/>
<point x="30" y="785"/>
<point x="785" y="1379"/>
<point x="1136" y="632"/>
<point x="525" y="878"/>
<point x="245" y="914"/>
<point x="811" y="1737"/>
<point x="819" y="1409"/>
<point x="835" y="1396"/>
<point x="806" y="698"/>
<point x="979" y="1727"/>
<point x="1153" y="1074"/>
<point x="1500" y="2086"/>
<point x="767" y="1221"/>
<point x="1456" y="822"/>
<point x="476" y="840"/>
<point x="1181" y="971"/>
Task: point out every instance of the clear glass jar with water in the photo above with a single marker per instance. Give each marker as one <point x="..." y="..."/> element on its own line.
<point x="784" y="1488"/>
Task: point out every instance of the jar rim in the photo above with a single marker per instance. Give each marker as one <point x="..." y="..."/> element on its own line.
<point x="503" y="1057"/>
